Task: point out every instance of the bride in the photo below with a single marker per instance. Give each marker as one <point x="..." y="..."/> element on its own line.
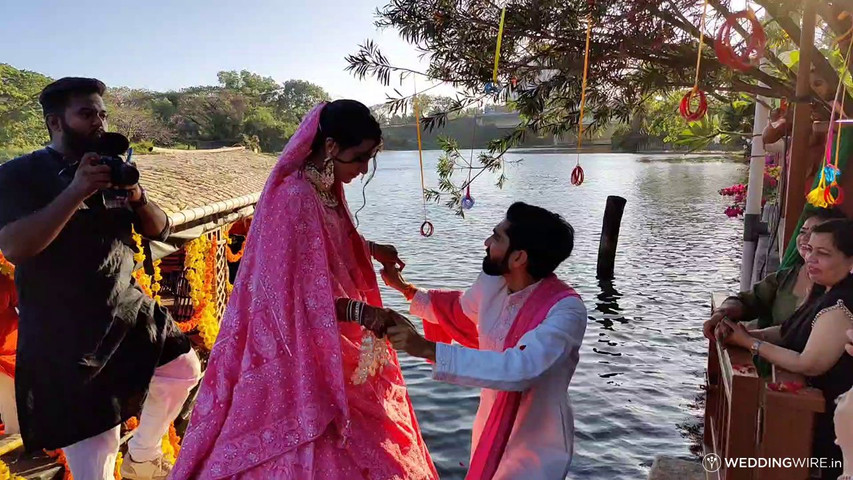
<point x="299" y="384"/>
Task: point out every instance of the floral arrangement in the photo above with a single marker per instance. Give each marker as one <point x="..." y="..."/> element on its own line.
<point x="772" y="173"/>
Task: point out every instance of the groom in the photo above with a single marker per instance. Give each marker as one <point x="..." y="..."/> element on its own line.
<point x="519" y="330"/>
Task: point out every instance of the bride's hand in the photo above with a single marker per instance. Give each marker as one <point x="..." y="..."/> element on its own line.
<point x="377" y="320"/>
<point x="387" y="255"/>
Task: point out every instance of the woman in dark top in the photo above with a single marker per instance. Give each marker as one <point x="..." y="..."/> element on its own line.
<point x="812" y="342"/>
<point x="774" y="300"/>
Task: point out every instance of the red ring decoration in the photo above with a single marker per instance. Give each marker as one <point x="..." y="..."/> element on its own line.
<point x="427" y="229"/>
<point x="755" y="46"/>
<point x="577" y="176"/>
<point x="686" y="104"/>
<point x="833" y="200"/>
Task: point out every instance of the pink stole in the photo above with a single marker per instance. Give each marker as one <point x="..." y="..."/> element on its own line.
<point x="453" y="324"/>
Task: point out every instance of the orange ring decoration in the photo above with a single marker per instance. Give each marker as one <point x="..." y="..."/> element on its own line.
<point x="833" y="200"/>
<point x="577" y="176"/>
<point x="755" y="45"/>
<point x="427" y="229"/>
<point x="685" y="108"/>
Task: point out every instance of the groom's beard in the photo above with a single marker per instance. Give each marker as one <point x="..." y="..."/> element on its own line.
<point x="495" y="268"/>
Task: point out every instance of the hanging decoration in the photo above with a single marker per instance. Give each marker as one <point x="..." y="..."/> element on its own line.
<point x="577" y="172"/>
<point x="695" y="94"/>
<point x="468" y="200"/>
<point x="828" y="192"/>
<point x="493" y="87"/>
<point x="426" y="227"/>
<point x="150" y="284"/>
<point x="751" y="53"/>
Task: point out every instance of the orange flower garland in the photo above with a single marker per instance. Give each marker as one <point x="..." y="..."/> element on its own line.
<point x="59" y="455"/>
<point x="171" y="444"/>
<point x="200" y="264"/>
<point x="234" y="257"/>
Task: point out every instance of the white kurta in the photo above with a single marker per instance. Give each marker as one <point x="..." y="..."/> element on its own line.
<point x="541" y="365"/>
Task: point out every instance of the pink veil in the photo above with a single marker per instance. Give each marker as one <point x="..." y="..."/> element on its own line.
<point x="274" y="380"/>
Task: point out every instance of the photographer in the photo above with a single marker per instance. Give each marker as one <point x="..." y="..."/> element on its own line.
<point x="92" y="346"/>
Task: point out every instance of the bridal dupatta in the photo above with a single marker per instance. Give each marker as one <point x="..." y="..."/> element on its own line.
<point x="277" y="399"/>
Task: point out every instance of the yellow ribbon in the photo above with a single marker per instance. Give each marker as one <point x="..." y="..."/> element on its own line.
<point x="498" y="49"/>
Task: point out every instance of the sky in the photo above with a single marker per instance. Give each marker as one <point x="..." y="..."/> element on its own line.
<point x="172" y="44"/>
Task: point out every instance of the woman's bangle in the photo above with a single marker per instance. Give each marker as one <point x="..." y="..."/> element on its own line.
<point x="372" y="247"/>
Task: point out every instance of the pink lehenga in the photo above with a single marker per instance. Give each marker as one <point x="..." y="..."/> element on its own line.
<point x="284" y="396"/>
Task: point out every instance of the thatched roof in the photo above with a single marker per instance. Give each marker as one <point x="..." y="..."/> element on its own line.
<point x="195" y="183"/>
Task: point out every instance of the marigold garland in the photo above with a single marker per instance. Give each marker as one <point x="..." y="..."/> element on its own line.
<point x="171" y="444"/>
<point x="234" y="257"/>
<point x="131" y="423"/>
<point x="59" y="455"/>
<point x="119" y="460"/>
<point x="6" y="473"/>
<point x="6" y="267"/>
<point x="200" y="263"/>
<point x="150" y="286"/>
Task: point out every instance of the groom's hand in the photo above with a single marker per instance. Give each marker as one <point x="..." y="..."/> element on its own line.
<point x="394" y="279"/>
<point x="405" y="337"/>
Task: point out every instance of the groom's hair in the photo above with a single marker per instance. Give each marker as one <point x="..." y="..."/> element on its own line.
<point x="547" y="238"/>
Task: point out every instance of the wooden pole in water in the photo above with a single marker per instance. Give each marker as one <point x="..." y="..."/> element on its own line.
<point x="609" y="237"/>
<point x="795" y="193"/>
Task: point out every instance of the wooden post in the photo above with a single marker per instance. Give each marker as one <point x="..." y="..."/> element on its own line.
<point x="609" y="237"/>
<point x="795" y="192"/>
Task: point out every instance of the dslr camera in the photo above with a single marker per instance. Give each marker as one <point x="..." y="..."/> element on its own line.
<point x="109" y="147"/>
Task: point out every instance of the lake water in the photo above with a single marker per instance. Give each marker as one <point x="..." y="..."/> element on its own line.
<point x="637" y="390"/>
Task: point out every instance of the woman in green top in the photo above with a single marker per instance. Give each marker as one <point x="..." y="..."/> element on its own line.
<point x="774" y="299"/>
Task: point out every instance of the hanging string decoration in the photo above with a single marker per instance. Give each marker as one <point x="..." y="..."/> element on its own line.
<point x="493" y="87"/>
<point x="577" y="172"/>
<point x="695" y="94"/>
<point x="829" y="193"/>
<point x="468" y="200"/>
<point x="426" y="227"/>
<point x="753" y="49"/>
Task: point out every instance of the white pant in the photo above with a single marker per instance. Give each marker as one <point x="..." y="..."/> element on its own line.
<point x="94" y="458"/>
<point x="8" y="409"/>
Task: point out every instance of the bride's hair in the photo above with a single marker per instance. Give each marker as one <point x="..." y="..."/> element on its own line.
<point x="348" y="123"/>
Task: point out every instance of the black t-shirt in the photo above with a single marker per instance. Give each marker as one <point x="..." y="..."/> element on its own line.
<point x="87" y="333"/>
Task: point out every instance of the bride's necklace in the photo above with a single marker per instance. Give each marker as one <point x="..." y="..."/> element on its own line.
<point x="323" y="180"/>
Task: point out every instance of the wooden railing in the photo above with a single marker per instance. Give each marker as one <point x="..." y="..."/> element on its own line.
<point x="787" y="425"/>
<point x="746" y="418"/>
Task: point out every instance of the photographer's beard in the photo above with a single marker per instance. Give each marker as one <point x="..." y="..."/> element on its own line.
<point x="495" y="268"/>
<point x="78" y="143"/>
